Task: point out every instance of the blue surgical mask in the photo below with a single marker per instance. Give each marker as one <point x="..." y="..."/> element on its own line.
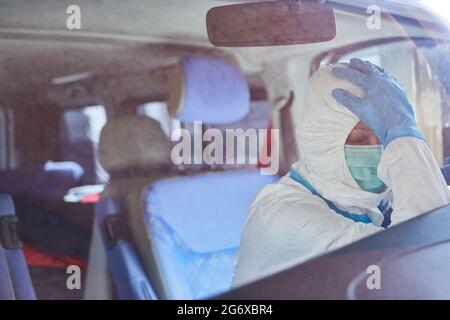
<point x="363" y="162"/>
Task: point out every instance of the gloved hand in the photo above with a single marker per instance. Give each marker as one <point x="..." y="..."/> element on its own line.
<point x="385" y="109"/>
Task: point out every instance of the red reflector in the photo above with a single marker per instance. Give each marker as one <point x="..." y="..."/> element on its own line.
<point x="36" y="258"/>
<point x="90" y="198"/>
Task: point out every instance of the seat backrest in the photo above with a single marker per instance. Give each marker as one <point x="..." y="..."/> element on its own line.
<point x="130" y="148"/>
<point x="196" y="224"/>
<point x="12" y="250"/>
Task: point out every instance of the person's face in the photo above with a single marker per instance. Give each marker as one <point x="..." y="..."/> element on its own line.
<point x="362" y="135"/>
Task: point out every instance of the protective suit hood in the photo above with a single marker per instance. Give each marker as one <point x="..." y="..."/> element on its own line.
<point x="322" y="133"/>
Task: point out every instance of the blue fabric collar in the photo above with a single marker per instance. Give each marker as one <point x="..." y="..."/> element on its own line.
<point x="364" y="218"/>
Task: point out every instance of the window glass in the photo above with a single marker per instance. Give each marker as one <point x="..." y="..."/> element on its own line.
<point x="158" y="111"/>
<point x="80" y="136"/>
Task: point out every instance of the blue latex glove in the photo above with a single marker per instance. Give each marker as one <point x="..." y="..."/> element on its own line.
<point x="385" y="108"/>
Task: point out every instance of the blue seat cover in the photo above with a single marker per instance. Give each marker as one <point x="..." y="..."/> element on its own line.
<point x="196" y="224"/>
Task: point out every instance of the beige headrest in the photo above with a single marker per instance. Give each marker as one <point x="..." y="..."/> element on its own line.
<point x="133" y="142"/>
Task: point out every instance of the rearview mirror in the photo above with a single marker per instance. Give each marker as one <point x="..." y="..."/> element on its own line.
<point x="272" y="23"/>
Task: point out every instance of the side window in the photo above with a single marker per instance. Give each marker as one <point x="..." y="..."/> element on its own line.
<point x="436" y="85"/>
<point x="410" y="66"/>
<point x="158" y="111"/>
<point x="257" y="118"/>
<point x="80" y="134"/>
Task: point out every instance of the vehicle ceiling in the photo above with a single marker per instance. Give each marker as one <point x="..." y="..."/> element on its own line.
<point x="130" y="42"/>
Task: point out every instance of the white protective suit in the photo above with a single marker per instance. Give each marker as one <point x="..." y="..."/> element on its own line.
<point x="287" y="224"/>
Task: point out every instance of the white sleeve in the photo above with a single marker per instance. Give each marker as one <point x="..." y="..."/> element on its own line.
<point x="409" y="168"/>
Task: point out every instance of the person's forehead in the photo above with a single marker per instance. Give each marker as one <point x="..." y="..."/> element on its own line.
<point x="362" y="126"/>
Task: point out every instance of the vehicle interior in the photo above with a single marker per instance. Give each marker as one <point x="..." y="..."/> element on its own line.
<point x="87" y="116"/>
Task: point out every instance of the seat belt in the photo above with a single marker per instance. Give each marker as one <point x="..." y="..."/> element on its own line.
<point x="364" y="218"/>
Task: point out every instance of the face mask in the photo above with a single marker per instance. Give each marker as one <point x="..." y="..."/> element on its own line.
<point x="363" y="163"/>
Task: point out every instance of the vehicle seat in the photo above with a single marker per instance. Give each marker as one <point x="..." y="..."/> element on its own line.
<point x="128" y="164"/>
<point x="187" y="229"/>
<point x="190" y="226"/>
<point x="11" y="256"/>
